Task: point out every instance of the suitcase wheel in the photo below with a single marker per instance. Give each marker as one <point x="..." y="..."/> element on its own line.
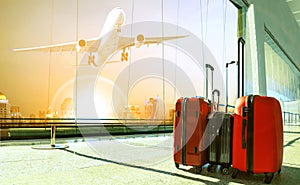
<point x="211" y="168"/>
<point x="279" y="171"/>
<point x="234" y="173"/>
<point x="268" y="178"/>
<point x="176" y="165"/>
<point x="225" y="170"/>
<point x="198" y="169"/>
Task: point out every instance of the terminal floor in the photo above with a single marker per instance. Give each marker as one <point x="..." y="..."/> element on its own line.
<point x="123" y="160"/>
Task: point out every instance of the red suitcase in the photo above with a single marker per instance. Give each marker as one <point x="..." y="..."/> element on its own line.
<point x="257" y="136"/>
<point x="189" y="126"/>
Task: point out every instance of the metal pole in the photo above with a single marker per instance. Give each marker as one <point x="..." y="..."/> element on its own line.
<point x="52" y="135"/>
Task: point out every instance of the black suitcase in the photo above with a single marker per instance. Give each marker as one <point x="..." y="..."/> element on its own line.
<point x="220" y="126"/>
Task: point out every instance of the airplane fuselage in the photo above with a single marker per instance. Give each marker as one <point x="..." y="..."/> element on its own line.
<point x="101" y="48"/>
<point x="109" y="36"/>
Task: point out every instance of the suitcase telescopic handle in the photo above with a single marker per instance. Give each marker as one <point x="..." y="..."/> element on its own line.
<point x="241" y="65"/>
<point x="211" y="68"/>
<point x="226" y="100"/>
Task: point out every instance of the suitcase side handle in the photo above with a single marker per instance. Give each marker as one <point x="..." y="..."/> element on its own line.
<point x="244" y="123"/>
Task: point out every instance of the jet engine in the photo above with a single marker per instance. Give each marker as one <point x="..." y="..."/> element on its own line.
<point x="81" y="44"/>
<point x="140" y="37"/>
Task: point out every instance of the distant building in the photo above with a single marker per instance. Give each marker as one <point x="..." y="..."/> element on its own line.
<point x="151" y="108"/>
<point x="4" y="113"/>
<point x="66" y="108"/>
<point x="49" y="113"/>
<point x="15" y="112"/>
<point x="171" y="113"/>
<point x="132" y="112"/>
<point x="42" y="114"/>
<point x="4" y="107"/>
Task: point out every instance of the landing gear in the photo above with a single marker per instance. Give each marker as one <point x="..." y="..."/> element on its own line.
<point x="91" y="60"/>
<point x="124" y="55"/>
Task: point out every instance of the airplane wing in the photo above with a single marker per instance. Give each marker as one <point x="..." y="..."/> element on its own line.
<point x="126" y="42"/>
<point x="92" y="45"/>
<point x="157" y="40"/>
<point x="82" y="45"/>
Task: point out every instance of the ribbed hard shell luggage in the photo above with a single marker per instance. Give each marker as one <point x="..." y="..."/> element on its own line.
<point x="220" y="138"/>
<point x="189" y="126"/>
<point x="220" y="134"/>
<point x="257" y="136"/>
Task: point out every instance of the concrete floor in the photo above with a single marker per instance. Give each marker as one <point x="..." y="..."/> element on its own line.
<point x="139" y="160"/>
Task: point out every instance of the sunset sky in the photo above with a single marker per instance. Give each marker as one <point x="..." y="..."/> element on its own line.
<point x="36" y="80"/>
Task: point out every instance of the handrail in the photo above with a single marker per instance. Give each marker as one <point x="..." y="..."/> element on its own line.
<point x="10" y="124"/>
<point x="71" y="122"/>
<point x="26" y="122"/>
<point x="83" y="119"/>
<point x="291" y="115"/>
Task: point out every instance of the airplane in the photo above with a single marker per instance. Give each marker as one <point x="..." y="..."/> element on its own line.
<point x="109" y="41"/>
